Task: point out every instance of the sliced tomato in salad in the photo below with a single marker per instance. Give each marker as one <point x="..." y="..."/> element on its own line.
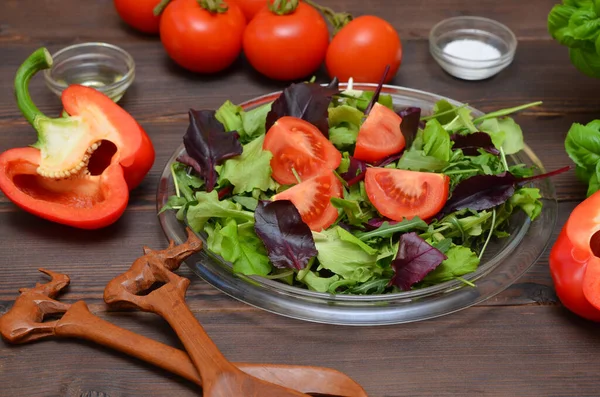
<point x="399" y="194"/>
<point x="380" y="135"/>
<point x="312" y="199"/>
<point x="299" y="146"/>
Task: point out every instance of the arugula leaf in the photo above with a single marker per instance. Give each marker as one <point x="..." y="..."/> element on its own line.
<point x="344" y="258"/>
<point x="239" y="245"/>
<point x="208" y="206"/>
<point x="416" y="160"/>
<point x="208" y="144"/>
<point x="288" y="239"/>
<point x="460" y="261"/>
<point x="443" y="111"/>
<point x="252" y="170"/>
<point x="437" y="141"/>
<point x="307" y="101"/>
<point x="387" y="228"/>
<point x="352" y="209"/>
<point x="505" y="133"/>
<point x="174" y="202"/>
<point x="415" y="259"/>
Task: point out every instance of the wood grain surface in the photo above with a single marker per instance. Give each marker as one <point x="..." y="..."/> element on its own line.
<point x="520" y="343"/>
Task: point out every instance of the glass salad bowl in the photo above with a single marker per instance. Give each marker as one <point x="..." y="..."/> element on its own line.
<point x="505" y="260"/>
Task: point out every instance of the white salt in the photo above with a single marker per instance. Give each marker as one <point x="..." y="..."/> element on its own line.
<point x="472" y="50"/>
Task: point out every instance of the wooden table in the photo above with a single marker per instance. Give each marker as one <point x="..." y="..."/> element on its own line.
<point x="520" y="343"/>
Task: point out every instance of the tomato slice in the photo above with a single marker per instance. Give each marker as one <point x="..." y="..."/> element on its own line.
<point x="399" y="194"/>
<point x="299" y="145"/>
<point x="380" y="135"/>
<point x="312" y="199"/>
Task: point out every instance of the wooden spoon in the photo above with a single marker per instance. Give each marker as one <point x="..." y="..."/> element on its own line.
<point x="220" y="377"/>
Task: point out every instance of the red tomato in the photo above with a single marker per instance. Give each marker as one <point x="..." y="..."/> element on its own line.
<point x="250" y="7"/>
<point x="199" y="40"/>
<point x="379" y="136"/>
<point x="286" y="47"/>
<point x="297" y="144"/>
<point x="139" y="14"/>
<point x="362" y="49"/>
<point x="312" y="198"/>
<point x="399" y="194"/>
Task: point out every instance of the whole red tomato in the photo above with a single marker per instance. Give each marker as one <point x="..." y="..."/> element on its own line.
<point x="201" y="40"/>
<point x="139" y="14"/>
<point x="250" y="7"/>
<point x="289" y="46"/>
<point x="362" y="49"/>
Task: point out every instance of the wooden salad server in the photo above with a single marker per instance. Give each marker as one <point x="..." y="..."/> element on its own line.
<point x="220" y="378"/>
<point x="23" y="323"/>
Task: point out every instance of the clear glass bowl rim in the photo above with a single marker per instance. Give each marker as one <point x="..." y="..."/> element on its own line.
<point x="503" y="59"/>
<point x="117" y="85"/>
<point x="352" y="305"/>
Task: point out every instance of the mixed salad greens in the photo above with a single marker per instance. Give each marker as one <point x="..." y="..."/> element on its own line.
<point x="338" y="192"/>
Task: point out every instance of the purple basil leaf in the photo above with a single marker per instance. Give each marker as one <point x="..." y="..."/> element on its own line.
<point x="375" y="97"/>
<point x="356" y="171"/>
<point x="307" y="101"/>
<point x="288" y="239"/>
<point x="376" y="223"/>
<point x="388" y="160"/>
<point x="470" y="143"/>
<point x="410" y="123"/>
<point x="481" y="192"/>
<point x="187" y="160"/>
<point x="415" y="259"/>
<point x="208" y="144"/>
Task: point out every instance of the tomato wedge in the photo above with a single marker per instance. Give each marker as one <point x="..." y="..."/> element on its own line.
<point x="312" y="199"/>
<point x="399" y="194"/>
<point x="380" y="135"/>
<point x="298" y="145"/>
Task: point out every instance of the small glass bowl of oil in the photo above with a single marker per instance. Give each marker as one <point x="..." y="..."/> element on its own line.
<point x="105" y="67"/>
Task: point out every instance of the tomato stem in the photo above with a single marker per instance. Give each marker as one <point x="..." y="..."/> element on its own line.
<point x="160" y="7"/>
<point x="283" y="7"/>
<point x="337" y="19"/>
<point x="214" y="6"/>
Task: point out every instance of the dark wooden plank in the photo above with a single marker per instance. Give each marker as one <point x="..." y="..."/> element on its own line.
<point x="491" y="351"/>
<point x="412" y="19"/>
<point x="162" y="91"/>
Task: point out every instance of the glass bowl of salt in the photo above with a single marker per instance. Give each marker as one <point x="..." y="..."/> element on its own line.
<point x="472" y="48"/>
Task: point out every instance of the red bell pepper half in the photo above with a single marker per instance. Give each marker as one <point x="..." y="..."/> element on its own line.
<point x="574" y="261"/>
<point x="83" y="165"/>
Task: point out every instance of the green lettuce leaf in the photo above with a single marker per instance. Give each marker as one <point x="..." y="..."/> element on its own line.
<point x="251" y="170"/>
<point x="506" y="128"/>
<point x="528" y="200"/>
<point x="254" y="121"/>
<point x="317" y="283"/>
<point x="239" y="245"/>
<point x="460" y="261"/>
<point x="208" y="206"/>
<point x="344" y="258"/>
<point x="437" y="141"/>
<point x="229" y="115"/>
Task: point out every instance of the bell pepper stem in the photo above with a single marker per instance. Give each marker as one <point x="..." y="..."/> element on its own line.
<point x="39" y="60"/>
